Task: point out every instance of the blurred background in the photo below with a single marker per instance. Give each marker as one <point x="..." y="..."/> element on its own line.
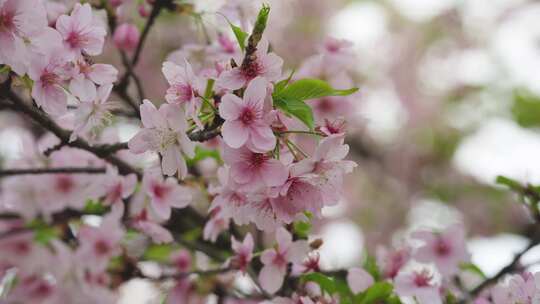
<point x="449" y="99"/>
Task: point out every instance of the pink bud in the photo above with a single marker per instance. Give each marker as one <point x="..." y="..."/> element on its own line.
<point x="116" y="3"/>
<point x="143" y="11"/>
<point x="126" y="37"/>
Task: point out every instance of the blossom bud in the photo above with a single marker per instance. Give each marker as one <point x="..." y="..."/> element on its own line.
<point x="126" y="37"/>
<point x="143" y="10"/>
<point x="116" y="3"/>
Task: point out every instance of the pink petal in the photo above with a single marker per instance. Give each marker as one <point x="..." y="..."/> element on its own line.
<point x="271" y="278"/>
<point x="83" y="88"/>
<point x="274" y="173"/>
<point x="142" y="141"/>
<point x="171" y="160"/>
<point x="235" y="134"/>
<point x="298" y="251"/>
<point x="262" y="138"/>
<point x="232" y="80"/>
<point x="272" y="65"/>
<point x="230" y="107"/>
<point x="256" y="92"/>
<point x="103" y="73"/>
<point x="359" y="280"/>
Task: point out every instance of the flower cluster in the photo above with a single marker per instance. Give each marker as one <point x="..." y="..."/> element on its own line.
<point x="221" y="178"/>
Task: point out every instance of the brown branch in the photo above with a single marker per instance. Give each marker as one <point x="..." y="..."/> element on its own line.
<point x="105" y="152"/>
<point x="66" y="170"/>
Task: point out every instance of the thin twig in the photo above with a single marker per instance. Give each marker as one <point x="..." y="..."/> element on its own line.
<point x="62" y="170"/>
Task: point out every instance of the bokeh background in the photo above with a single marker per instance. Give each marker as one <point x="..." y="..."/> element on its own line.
<point x="449" y="99"/>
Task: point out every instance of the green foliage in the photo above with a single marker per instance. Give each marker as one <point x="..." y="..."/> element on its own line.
<point x="158" y="253"/>
<point x="380" y="291"/>
<point x="4" y="69"/>
<point x="94" y="207"/>
<point x="291" y="97"/>
<point x="470" y="267"/>
<point x="508" y="182"/>
<point x="370" y="265"/>
<point x="296" y="108"/>
<point x="328" y="284"/>
<point x="201" y="154"/>
<point x="526" y="109"/>
<point x="302" y="229"/>
<point x="43" y="233"/>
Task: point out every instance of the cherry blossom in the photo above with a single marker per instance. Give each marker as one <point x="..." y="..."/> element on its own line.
<point x="419" y="284"/>
<point x="275" y="260"/>
<point x="251" y="170"/>
<point x="243" y="252"/>
<point x="126" y="36"/>
<point x="359" y="280"/>
<point x="245" y="119"/>
<point x="164" y="132"/>
<point x="184" y="89"/>
<point x="81" y="32"/>
<point x="446" y="249"/>
<point x="49" y="73"/>
<point x="265" y="65"/>
<point x="165" y="194"/>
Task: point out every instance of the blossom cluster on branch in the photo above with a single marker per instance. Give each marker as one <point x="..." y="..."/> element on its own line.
<point x="83" y="212"/>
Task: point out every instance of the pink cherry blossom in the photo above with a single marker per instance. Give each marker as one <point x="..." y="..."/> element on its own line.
<point x="265" y="65"/>
<point x="19" y="20"/>
<point x="217" y="223"/>
<point x="391" y="261"/>
<point x="164" y="132"/>
<point x="184" y="88"/>
<point x="419" y="284"/>
<point x="232" y="202"/>
<point x="92" y="116"/>
<point x="243" y="252"/>
<point x="519" y="288"/>
<point x="126" y="36"/>
<point x="359" y="280"/>
<point x="245" y="119"/>
<point x="81" y="32"/>
<point x="85" y="76"/>
<point x="446" y="249"/>
<point x="252" y="170"/>
<point x="118" y="187"/>
<point x="165" y="194"/>
<point x="181" y="260"/>
<point x="275" y="260"/>
<point x="99" y="244"/>
<point x="49" y="73"/>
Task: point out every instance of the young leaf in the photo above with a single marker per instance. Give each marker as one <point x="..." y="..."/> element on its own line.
<point x="307" y="88"/>
<point x="510" y="183"/>
<point x="159" y="253"/>
<point x="470" y="267"/>
<point x="296" y="108"/>
<point x="379" y="291"/>
<point x="240" y="35"/>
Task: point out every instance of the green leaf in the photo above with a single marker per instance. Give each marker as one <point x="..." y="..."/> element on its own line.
<point x="159" y="253"/>
<point x="526" y="109"/>
<point x="43" y="233"/>
<point x="94" y="207"/>
<point x="201" y="154"/>
<point x="4" y="69"/>
<point x="370" y="265"/>
<point x="282" y="84"/>
<point x="379" y="291"/>
<point x="510" y="183"/>
<point x="296" y="108"/>
<point x="327" y="284"/>
<point x="470" y="267"/>
<point x="240" y="35"/>
<point x="307" y="88"/>
<point x="301" y="229"/>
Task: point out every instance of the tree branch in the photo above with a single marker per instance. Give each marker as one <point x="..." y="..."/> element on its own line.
<point x="68" y="170"/>
<point x="105" y="152"/>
